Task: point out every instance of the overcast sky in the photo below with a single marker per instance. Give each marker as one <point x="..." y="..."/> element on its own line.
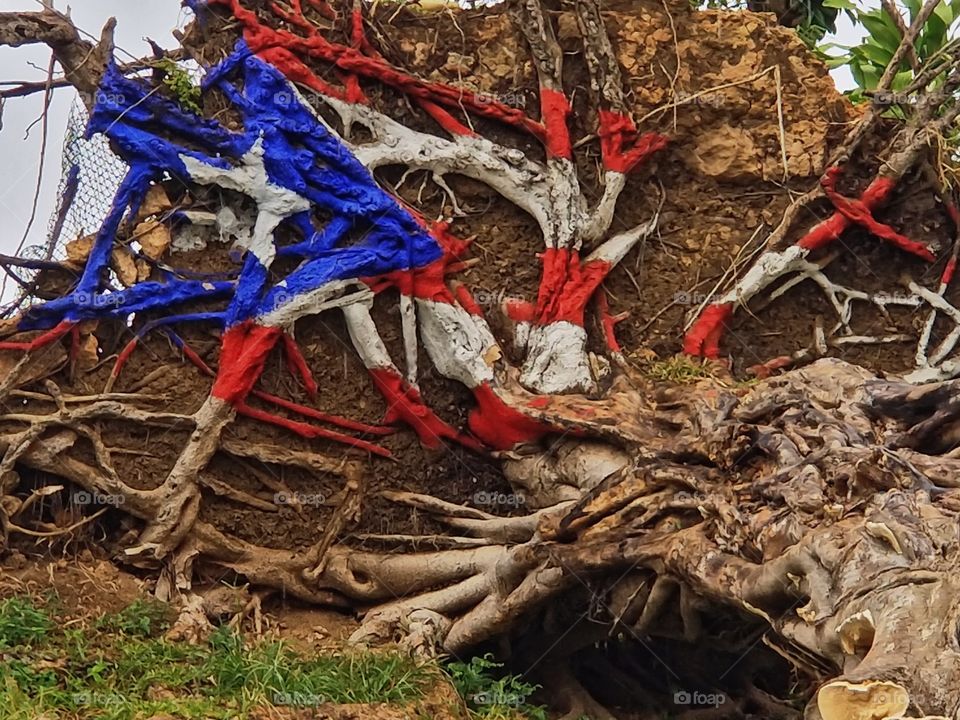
<point x="20" y="159"/>
<point x="136" y="19"/>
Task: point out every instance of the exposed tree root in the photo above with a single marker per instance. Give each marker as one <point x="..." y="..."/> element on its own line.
<point x="817" y="510"/>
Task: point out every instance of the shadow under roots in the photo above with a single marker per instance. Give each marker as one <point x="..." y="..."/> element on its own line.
<point x="586" y="669"/>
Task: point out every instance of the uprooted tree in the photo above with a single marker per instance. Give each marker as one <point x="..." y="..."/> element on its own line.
<point x="798" y="532"/>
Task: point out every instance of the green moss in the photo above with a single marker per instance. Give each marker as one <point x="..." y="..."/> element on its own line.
<point x="178" y="81"/>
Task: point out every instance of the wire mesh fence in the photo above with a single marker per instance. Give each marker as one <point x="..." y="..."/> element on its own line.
<point x="91" y="174"/>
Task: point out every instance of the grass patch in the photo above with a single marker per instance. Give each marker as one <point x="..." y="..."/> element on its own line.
<point x="121" y="668"/>
<point x="141" y="618"/>
<point x="680" y="369"/>
<point x="22" y="623"/>
<point x="492" y="695"/>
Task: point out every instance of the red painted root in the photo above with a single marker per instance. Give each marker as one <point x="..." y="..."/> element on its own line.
<point x="948" y="271"/>
<point x="618" y="130"/>
<point x="566" y="286"/>
<point x="428" y="282"/>
<point x="765" y="370"/>
<point x="609" y="322"/>
<point x="520" y="310"/>
<point x="309" y="412"/>
<point x="124" y="356"/>
<point x="310" y="431"/>
<point x="244" y="350"/>
<point x="466" y="300"/>
<point x="859" y="212"/>
<point x="297" y="364"/>
<point x="47" y="338"/>
<point x="500" y="426"/>
<point x="405" y="404"/>
<point x="338" y="420"/>
<point x="703" y="338"/>
<point x="824" y="233"/>
<point x="278" y="46"/>
<point x="554" y="110"/>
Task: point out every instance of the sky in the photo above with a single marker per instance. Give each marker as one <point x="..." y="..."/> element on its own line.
<point x="136" y="19"/>
<point x="20" y="159"/>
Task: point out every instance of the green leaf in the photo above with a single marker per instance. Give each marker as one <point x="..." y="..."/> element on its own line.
<point x="871" y="76"/>
<point x="834" y="62"/>
<point x="913" y="7"/>
<point x="901" y="80"/>
<point x="856" y="69"/>
<point x="932" y="37"/>
<point x="884" y="34"/>
<point x="840" y="4"/>
<point x="945" y="13"/>
<point x="876" y="54"/>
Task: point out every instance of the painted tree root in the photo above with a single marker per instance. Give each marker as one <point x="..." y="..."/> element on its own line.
<point x="818" y="503"/>
<point x="788" y="262"/>
<point x="822" y="503"/>
<point x="816" y="508"/>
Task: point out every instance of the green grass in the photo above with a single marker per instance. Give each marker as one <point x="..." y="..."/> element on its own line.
<point x="492" y="695"/>
<point x="21" y="623"/>
<point x="141" y="618"/>
<point x="679" y="369"/>
<point x="121" y="668"/>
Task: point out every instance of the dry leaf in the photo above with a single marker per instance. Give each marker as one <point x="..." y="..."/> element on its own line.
<point x="87" y="357"/>
<point x="143" y="270"/>
<point x="79" y="250"/>
<point x="155" y="202"/>
<point x="154" y="238"/>
<point x="122" y="263"/>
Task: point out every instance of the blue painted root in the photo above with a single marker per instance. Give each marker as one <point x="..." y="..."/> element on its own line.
<point x="371" y="234"/>
<point x="142" y="297"/>
<point x="148" y="327"/>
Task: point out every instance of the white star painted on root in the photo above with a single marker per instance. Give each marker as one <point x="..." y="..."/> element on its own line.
<point x="274" y="203"/>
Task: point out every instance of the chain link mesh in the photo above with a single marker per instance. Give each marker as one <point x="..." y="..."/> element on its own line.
<point x="91" y="174"/>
